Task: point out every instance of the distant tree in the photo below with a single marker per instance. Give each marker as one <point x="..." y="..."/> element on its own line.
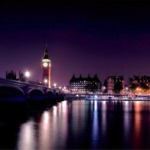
<point x="117" y="87"/>
<point x="133" y="86"/>
<point x="105" y="85"/>
<point x="22" y="76"/>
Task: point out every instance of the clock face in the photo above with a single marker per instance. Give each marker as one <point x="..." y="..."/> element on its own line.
<point x="45" y="64"/>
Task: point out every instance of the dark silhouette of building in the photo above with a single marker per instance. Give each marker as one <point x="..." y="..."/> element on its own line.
<point x="85" y="84"/>
<point x="11" y="75"/>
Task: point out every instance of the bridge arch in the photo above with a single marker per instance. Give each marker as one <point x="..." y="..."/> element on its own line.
<point x="57" y="93"/>
<point x="36" y="94"/>
<point x="49" y="93"/>
<point x="11" y="92"/>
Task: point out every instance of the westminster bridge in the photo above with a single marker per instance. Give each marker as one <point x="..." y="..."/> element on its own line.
<point x="13" y="90"/>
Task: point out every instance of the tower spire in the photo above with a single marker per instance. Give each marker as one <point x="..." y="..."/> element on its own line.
<point x="46" y="46"/>
<point x="46" y="56"/>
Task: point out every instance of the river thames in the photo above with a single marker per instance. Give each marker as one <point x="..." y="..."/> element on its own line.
<point x="79" y="124"/>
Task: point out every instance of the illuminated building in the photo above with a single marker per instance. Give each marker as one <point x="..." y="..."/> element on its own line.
<point x="84" y="84"/>
<point x="111" y="81"/>
<point x="137" y="82"/>
<point x="46" y="69"/>
<point x="140" y="79"/>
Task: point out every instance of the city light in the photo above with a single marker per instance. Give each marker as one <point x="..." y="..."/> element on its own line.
<point x="77" y="95"/>
<point x="139" y="90"/>
<point x="55" y="85"/>
<point x="95" y="96"/>
<point x="27" y="74"/>
<point x="45" y="64"/>
<point x="45" y="81"/>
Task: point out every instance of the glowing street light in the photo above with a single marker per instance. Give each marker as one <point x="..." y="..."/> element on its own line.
<point x="27" y="74"/>
<point x="55" y="85"/>
<point x="45" y="81"/>
<point x="64" y="89"/>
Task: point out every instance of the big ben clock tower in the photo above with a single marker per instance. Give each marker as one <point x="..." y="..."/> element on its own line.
<point x="46" y="69"/>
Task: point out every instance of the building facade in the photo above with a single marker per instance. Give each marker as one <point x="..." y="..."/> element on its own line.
<point x="84" y="84"/>
<point x="142" y="82"/>
<point x="46" y="69"/>
<point x="114" y="84"/>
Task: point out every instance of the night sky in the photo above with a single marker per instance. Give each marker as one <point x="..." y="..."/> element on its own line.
<point x="106" y="37"/>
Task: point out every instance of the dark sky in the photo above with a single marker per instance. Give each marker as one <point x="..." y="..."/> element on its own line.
<point x="104" y="37"/>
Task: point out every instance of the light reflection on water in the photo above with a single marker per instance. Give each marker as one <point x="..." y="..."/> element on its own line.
<point x="126" y="119"/>
<point x="95" y="127"/>
<point x="88" y="124"/>
<point x="27" y="138"/>
<point x="104" y="113"/>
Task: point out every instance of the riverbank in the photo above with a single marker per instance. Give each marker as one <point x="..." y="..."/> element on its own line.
<point x="108" y="97"/>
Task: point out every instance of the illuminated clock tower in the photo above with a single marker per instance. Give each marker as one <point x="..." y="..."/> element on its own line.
<point x="46" y="69"/>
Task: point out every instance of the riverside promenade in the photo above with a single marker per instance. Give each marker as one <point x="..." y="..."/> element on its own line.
<point x="107" y="97"/>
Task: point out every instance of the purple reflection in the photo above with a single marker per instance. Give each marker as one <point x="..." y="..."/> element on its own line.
<point x="53" y="127"/>
<point x="88" y="124"/>
<point x="95" y="127"/>
<point x="126" y="120"/>
<point x="63" y="124"/>
<point x="78" y="117"/>
<point x="27" y="138"/>
<point x="104" y="113"/>
<point x="44" y="131"/>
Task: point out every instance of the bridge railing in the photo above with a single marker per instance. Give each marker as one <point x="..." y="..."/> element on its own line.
<point x="19" y="83"/>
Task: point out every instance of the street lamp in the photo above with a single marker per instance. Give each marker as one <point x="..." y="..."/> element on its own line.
<point x="64" y="88"/>
<point x="45" y="81"/>
<point x="55" y="85"/>
<point x="27" y="74"/>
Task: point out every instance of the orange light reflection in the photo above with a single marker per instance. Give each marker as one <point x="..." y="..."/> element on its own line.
<point x="137" y="124"/>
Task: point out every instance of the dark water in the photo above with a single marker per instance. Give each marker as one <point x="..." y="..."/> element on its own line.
<point x="79" y="124"/>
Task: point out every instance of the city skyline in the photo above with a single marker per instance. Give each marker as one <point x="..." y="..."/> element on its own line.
<point x="107" y="38"/>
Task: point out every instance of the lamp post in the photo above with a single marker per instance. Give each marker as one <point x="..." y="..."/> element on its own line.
<point x="55" y="85"/>
<point x="27" y="75"/>
<point x="45" y="81"/>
